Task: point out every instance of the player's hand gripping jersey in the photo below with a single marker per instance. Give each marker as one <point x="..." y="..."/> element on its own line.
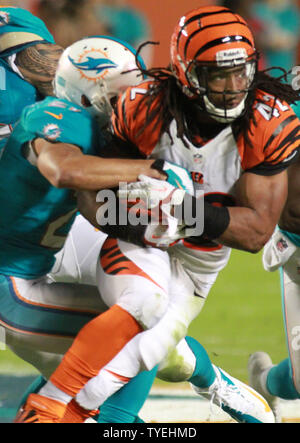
<point x="33" y="226"/>
<point x="18" y="30"/>
<point x="216" y="165"/>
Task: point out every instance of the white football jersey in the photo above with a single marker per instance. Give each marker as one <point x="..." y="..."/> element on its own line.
<point x="216" y="165"/>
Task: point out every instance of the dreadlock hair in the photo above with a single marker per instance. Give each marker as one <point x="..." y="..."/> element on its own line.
<point x="175" y="105"/>
<point x="277" y="87"/>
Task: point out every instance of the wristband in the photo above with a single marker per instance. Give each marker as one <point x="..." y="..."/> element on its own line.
<point x="117" y="228"/>
<point x="216" y="218"/>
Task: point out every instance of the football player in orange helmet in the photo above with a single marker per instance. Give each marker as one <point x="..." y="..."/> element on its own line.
<point x="233" y="128"/>
<point x="215" y="62"/>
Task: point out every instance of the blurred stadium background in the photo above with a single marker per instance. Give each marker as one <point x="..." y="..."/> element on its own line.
<point x="243" y="311"/>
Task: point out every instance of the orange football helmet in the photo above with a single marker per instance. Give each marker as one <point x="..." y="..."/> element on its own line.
<point x="212" y="37"/>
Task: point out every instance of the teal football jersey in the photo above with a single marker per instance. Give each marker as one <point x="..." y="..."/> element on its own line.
<point x="18" y="30"/>
<point x="36" y="217"/>
<point x="15" y="95"/>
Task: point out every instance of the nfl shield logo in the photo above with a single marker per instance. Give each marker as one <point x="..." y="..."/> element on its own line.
<point x="281" y="245"/>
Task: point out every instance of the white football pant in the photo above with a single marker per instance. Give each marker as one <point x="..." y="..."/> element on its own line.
<point x="281" y="253"/>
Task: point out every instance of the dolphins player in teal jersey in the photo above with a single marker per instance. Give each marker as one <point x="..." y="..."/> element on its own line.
<point x="51" y="153"/>
<point x="28" y="59"/>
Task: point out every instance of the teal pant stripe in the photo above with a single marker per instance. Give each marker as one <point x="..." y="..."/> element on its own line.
<point x="281" y="273"/>
<point x="17" y="314"/>
<point x="283" y="301"/>
<point x="280" y="378"/>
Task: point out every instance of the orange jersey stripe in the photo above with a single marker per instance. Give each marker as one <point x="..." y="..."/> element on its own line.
<point x="119" y="264"/>
<point x="274" y="138"/>
<point x="120" y="377"/>
<point x="274" y="134"/>
<point x="202" y="248"/>
<point x="130" y="116"/>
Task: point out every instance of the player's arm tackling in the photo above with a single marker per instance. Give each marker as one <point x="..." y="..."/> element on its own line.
<point x="65" y="166"/>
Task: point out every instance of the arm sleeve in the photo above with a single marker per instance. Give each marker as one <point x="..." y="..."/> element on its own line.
<point x="275" y="139"/>
<point x="58" y="124"/>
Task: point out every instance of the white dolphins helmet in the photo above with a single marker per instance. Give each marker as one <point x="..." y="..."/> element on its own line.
<point x="98" y="68"/>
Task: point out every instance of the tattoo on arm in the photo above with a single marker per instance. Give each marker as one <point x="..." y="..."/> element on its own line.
<point x="38" y="64"/>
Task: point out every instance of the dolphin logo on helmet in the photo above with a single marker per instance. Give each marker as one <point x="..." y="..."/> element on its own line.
<point x="94" y="64"/>
<point x="93" y="71"/>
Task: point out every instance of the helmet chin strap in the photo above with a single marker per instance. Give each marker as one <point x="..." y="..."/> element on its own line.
<point x="101" y="107"/>
<point x="224" y="115"/>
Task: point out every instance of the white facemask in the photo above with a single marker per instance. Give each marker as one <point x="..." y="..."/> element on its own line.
<point x="224" y="115"/>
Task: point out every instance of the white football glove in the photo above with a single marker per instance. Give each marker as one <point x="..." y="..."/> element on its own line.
<point x="161" y="199"/>
<point x="152" y="191"/>
<point x="159" y="190"/>
<point x="178" y="177"/>
<point x="165" y="235"/>
<point x="277" y="251"/>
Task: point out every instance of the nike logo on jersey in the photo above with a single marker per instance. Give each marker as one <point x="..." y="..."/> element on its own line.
<point x="57" y="116"/>
<point x="178" y="184"/>
<point x="155" y="237"/>
<point x="165" y="189"/>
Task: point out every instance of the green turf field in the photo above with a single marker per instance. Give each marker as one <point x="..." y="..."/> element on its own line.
<point x="242" y="315"/>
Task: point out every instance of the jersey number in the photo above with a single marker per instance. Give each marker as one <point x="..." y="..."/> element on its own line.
<point x="268" y="111"/>
<point x="5" y="130"/>
<point x="52" y="238"/>
<point x="2" y="79"/>
<point x="135" y="91"/>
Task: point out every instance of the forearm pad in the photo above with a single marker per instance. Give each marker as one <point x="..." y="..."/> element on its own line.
<point x="116" y="227"/>
<point x="215" y="218"/>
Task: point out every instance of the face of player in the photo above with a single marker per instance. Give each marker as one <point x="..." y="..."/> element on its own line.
<point x="227" y="87"/>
